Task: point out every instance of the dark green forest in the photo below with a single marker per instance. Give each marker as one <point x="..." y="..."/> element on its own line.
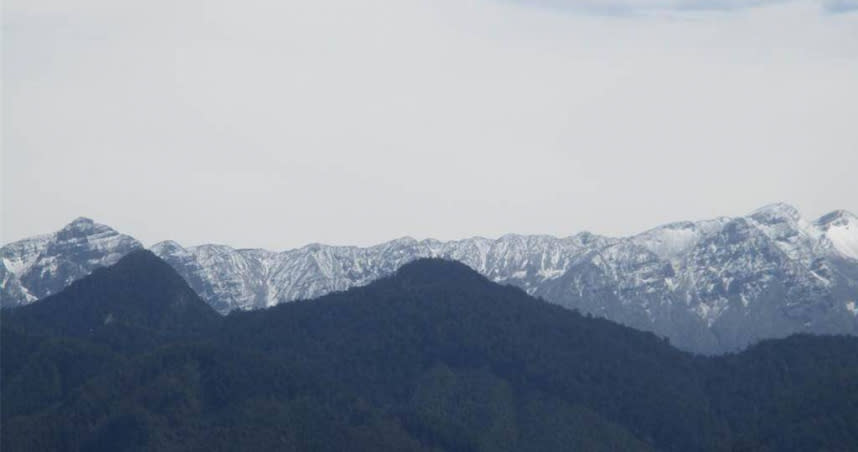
<point x="433" y="358"/>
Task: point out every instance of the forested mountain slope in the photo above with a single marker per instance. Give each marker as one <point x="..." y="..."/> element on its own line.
<point x="434" y="357"/>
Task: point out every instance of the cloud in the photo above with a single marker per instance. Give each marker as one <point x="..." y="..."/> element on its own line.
<point x="841" y="6"/>
<point x="622" y="7"/>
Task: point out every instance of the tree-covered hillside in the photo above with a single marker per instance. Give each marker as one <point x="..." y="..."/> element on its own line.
<point x="435" y="357"/>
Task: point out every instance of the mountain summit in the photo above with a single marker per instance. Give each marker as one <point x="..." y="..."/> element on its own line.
<point x="44" y="265"/>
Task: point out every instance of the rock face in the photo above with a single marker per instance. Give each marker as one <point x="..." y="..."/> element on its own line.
<point x="710" y="287"/>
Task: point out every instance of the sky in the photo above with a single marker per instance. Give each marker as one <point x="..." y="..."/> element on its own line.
<point x="277" y="124"/>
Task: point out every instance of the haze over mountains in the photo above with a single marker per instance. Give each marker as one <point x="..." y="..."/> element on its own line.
<point x="709" y="286"/>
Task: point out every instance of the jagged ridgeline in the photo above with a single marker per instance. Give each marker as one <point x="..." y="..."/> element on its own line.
<point x="710" y="286"/>
<point x="434" y="357"/>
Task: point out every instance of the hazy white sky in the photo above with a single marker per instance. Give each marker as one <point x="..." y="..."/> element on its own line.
<point x="276" y="124"/>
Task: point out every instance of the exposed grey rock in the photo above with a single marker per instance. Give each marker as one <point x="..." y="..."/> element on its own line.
<point x="46" y="264"/>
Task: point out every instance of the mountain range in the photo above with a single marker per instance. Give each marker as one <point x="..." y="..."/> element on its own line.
<point x="710" y="286"/>
<point x="434" y="357"/>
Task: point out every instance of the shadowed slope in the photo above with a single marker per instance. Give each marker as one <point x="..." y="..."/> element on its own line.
<point x="140" y="291"/>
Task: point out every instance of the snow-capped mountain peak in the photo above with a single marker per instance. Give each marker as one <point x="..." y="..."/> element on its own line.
<point x="670" y="241"/>
<point x="83" y="225"/>
<point x="788" y="229"/>
<point x="46" y="264"/>
<point x="840" y="229"/>
<point x="775" y="213"/>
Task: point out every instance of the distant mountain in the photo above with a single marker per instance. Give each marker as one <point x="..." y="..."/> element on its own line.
<point x="43" y="265"/>
<point x="709" y="286"/>
<point x="433" y="357"/>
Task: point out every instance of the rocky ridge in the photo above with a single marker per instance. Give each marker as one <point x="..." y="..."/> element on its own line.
<point x="709" y="286"/>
